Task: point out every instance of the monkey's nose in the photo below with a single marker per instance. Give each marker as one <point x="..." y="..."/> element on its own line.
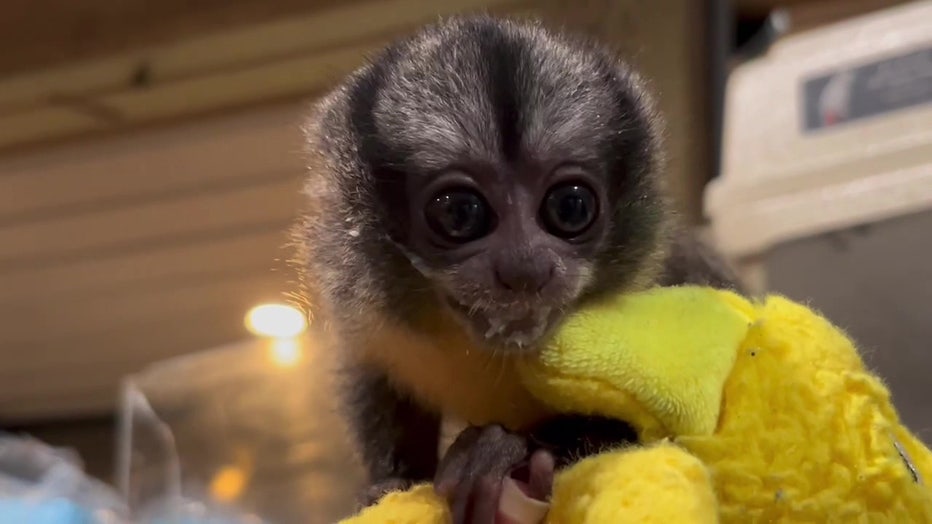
<point x="531" y="276"/>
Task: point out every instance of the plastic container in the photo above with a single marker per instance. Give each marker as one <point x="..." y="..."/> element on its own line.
<point x="830" y="129"/>
<point x="826" y="189"/>
<point x="43" y="485"/>
<point x="240" y="434"/>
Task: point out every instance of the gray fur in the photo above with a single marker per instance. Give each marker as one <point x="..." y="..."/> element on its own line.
<point x="471" y="89"/>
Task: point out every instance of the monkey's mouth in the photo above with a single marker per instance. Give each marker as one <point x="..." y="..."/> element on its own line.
<point x="516" y="327"/>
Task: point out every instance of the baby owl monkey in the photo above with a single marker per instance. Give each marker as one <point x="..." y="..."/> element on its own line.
<point x="468" y="187"/>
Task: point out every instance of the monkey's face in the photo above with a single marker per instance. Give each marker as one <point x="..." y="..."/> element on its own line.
<point x="514" y="169"/>
<point x="509" y="249"/>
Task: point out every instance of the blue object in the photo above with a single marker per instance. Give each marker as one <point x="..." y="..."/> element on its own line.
<point x="49" y="511"/>
<point x="43" y="485"/>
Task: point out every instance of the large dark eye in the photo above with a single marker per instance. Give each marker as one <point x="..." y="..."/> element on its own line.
<point x="460" y="215"/>
<point x="569" y="209"/>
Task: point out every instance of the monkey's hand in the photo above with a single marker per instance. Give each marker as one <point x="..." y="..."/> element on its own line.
<point x="471" y="473"/>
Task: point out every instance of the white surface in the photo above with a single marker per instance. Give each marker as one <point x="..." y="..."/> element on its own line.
<point x="779" y="183"/>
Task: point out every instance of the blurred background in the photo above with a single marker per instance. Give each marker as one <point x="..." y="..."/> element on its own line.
<point x="150" y="163"/>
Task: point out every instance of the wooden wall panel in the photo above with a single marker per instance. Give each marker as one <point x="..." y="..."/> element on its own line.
<point x="117" y="252"/>
<point x="146" y="188"/>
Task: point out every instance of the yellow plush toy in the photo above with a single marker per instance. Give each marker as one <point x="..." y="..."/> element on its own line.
<point x="745" y="412"/>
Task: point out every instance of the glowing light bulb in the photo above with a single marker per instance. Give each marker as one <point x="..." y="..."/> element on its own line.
<point x="276" y="320"/>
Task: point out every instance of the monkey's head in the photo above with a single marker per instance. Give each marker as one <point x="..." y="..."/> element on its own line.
<point x="513" y="168"/>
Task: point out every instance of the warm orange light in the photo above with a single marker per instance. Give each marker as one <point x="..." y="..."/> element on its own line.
<point x="228" y="484"/>
<point x="285" y="352"/>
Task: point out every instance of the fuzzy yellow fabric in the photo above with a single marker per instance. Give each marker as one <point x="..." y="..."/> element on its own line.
<point x="798" y="430"/>
<point x="657" y="363"/>
<point x="808" y="434"/>
<point x="766" y="405"/>
<point x="418" y="505"/>
<point x="655" y="485"/>
<point x="658" y="485"/>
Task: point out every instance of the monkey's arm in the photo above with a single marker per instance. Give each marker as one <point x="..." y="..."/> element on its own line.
<point x="397" y="438"/>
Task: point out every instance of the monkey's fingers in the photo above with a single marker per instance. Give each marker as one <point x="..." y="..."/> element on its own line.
<point x="473" y="452"/>
<point x="526" y="492"/>
<point x="540" y="475"/>
<point x="452" y="467"/>
<point x="486" y="498"/>
<point x="516" y="507"/>
<point x="471" y="473"/>
<point x="478" y="501"/>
